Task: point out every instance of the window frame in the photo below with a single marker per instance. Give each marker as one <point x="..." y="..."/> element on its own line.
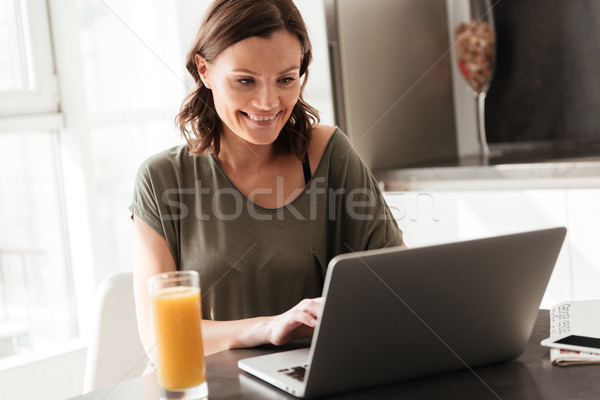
<point x="43" y="98"/>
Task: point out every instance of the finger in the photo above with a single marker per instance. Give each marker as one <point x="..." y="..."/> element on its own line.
<point x="310" y="304"/>
<point x="295" y="325"/>
<point x="305" y="317"/>
<point x="313" y="307"/>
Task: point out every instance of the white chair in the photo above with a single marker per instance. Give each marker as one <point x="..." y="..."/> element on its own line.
<point x="115" y="351"/>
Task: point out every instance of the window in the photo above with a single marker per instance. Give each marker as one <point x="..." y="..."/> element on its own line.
<point x="13" y="63"/>
<point x="36" y="294"/>
<point x="36" y="303"/>
<point x="27" y="82"/>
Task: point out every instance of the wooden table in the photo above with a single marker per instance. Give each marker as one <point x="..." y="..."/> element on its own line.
<point x="530" y="377"/>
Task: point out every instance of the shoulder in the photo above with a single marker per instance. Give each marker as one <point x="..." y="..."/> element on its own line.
<point x="345" y="163"/>
<point x="336" y="143"/>
<point x="168" y="166"/>
<point x="169" y="157"/>
<point x="322" y="133"/>
<point x="320" y="137"/>
<point x="174" y="160"/>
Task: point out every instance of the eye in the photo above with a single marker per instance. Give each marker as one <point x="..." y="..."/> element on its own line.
<point x="287" y="80"/>
<point x="245" y="81"/>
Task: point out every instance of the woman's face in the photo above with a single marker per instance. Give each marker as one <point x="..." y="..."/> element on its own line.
<point x="255" y="85"/>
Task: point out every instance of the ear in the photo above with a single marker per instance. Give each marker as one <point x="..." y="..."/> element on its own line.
<point x="202" y="66"/>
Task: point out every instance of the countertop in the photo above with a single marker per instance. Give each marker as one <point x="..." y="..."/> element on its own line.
<point x="529" y="377"/>
<point x="540" y="168"/>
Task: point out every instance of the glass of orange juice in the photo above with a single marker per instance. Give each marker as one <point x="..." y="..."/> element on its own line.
<point x="176" y="315"/>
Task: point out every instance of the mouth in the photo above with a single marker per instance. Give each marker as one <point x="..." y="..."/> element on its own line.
<point x="261" y="119"/>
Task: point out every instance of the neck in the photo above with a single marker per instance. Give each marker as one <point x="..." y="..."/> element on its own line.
<point x="237" y="155"/>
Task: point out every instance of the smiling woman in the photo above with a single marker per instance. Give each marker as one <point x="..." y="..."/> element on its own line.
<point x="290" y="50"/>
<point x="254" y="105"/>
<point x="261" y="197"/>
<point x="97" y="63"/>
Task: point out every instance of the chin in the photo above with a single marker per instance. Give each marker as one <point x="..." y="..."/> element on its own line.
<point x="262" y="140"/>
<point x="262" y="136"/>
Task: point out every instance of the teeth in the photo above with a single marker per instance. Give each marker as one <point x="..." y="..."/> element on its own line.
<point x="257" y="118"/>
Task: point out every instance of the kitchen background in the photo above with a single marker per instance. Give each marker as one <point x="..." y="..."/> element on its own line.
<point x="109" y="77"/>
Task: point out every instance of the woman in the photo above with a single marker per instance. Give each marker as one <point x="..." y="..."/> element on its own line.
<point x="261" y="197"/>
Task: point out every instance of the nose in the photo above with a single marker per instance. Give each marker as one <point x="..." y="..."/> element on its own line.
<point x="267" y="97"/>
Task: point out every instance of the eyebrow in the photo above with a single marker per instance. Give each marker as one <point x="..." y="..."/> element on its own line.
<point x="248" y="71"/>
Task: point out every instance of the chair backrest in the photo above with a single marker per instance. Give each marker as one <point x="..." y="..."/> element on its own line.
<point x="115" y="351"/>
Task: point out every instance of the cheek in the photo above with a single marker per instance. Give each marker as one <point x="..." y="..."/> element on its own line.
<point x="290" y="97"/>
<point x="228" y="99"/>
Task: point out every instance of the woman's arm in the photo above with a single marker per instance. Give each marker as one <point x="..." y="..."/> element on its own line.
<point x="151" y="255"/>
<point x="298" y="322"/>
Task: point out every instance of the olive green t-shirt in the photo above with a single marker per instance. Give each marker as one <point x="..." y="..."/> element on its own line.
<point x="255" y="261"/>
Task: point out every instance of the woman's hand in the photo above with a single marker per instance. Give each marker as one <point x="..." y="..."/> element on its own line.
<point x="298" y="322"/>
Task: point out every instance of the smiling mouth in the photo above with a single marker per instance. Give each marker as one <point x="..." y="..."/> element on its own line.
<point x="260" y="118"/>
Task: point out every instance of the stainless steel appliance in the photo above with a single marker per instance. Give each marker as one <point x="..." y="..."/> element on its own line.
<point x="392" y="79"/>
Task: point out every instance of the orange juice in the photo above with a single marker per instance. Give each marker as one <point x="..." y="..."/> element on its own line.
<point x="177" y="321"/>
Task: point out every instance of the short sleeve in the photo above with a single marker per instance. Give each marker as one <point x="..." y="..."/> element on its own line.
<point x="363" y="220"/>
<point x="144" y="204"/>
<point x="156" y="195"/>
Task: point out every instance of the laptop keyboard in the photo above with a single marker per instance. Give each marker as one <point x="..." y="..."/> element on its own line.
<point x="295" y="372"/>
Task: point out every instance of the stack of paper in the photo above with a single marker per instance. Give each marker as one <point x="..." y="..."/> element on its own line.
<point x="577" y="318"/>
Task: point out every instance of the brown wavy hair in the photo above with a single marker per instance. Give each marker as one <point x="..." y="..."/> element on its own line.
<point x="227" y="22"/>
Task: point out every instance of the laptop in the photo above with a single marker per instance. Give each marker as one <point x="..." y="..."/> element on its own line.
<point x="395" y="314"/>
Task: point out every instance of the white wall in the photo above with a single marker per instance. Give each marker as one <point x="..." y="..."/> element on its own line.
<point x="51" y="376"/>
<point x="437" y="217"/>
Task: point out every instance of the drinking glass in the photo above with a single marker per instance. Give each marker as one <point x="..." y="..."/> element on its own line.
<point x="475" y="50"/>
<point x="176" y="317"/>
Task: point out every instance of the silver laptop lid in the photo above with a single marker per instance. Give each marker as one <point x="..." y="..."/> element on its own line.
<point x="395" y="314"/>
